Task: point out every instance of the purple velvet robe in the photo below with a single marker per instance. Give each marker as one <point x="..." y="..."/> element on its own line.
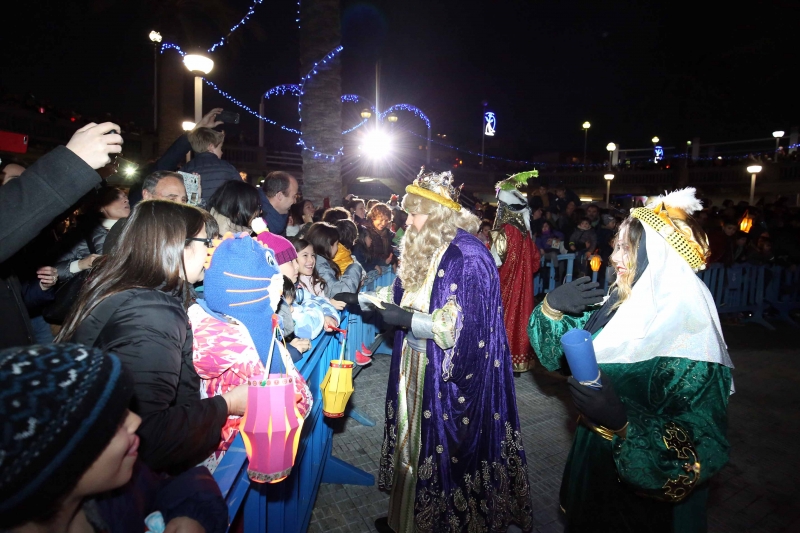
<point x="472" y="473"/>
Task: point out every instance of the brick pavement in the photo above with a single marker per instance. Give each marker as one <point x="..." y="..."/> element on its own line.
<point x="758" y="491"/>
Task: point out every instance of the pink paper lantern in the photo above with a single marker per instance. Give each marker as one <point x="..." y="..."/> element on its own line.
<point x="271" y="428"/>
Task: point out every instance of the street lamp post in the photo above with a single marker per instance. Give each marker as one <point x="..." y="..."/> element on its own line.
<point x="608" y="178"/>
<point x="777" y="134"/>
<point x="586" y="127"/>
<point x="197" y="65"/>
<point x="610" y="147"/>
<point x="155" y="37"/>
<point x="187" y="127"/>
<point x="753" y="170"/>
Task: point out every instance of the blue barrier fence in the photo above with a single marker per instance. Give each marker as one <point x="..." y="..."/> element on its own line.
<point x="287" y="505"/>
<point x="749" y="290"/>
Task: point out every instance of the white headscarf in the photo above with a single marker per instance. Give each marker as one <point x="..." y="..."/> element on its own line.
<point x="670" y="313"/>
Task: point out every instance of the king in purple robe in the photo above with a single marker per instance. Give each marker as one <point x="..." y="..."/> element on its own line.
<point x="452" y="457"/>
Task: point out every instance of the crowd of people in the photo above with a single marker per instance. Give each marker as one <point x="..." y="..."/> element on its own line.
<point x="131" y="334"/>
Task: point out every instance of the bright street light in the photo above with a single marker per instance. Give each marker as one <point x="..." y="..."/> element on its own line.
<point x="608" y="178"/>
<point x="586" y="127"/>
<point x="655" y="139"/>
<point x="753" y="170"/>
<point x="377" y="145"/>
<point x="392" y="117"/>
<point x="188" y="126"/>
<point x="197" y="65"/>
<point x="611" y="147"/>
<point x="155" y="36"/>
<point x="777" y="134"/>
<point x="366" y="113"/>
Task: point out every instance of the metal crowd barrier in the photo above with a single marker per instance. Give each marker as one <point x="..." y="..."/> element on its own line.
<point x="286" y="506"/>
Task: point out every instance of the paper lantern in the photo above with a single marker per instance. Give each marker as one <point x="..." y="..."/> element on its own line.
<point x="746" y="223"/>
<point x="271" y="428"/>
<point x="337" y="386"/>
<point x="595" y="263"/>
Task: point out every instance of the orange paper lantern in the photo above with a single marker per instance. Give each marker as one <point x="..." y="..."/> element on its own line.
<point x="595" y="263"/>
<point x="746" y="223"/>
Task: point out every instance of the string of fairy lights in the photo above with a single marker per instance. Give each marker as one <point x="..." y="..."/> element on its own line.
<point x="299" y="91"/>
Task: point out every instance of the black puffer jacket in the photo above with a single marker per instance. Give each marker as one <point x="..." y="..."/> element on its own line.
<point x="149" y="331"/>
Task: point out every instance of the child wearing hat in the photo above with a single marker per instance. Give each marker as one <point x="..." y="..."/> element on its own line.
<point x="67" y="440"/>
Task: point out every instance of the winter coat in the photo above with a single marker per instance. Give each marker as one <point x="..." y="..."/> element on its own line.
<point x="193" y="494"/>
<point x="27" y="205"/>
<point x="348" y="282"/>
<point x="213" y="172"/>
<point x="380" y="245"/>
<point x="149" y="331"/>
<point x="541" y="240"/>
<point x="80" y="249"/>
<point x="579" y="238"/>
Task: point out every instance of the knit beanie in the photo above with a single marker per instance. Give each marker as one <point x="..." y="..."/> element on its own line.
<point x="284" y="250"/>
<point x="60" y="406"/>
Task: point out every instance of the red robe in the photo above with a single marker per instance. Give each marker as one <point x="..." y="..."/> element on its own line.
<point x="516" y="286"/>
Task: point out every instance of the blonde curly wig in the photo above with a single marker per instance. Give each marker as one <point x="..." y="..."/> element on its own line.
<point x="417" y="247"/>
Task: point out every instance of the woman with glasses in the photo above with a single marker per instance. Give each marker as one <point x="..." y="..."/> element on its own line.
<point x="234" y="206"/>
<point x="134" y="305"/>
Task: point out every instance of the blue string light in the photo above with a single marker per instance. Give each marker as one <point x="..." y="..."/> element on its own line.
<point x="243" y="106"/>
<point x="280" y="90"/>
<point x="407" y="107"/>
<point x="329" y="57"/>
<point x="297" y="20"/>
<point x="250" y="11"/>
<point x="167" y="46"/>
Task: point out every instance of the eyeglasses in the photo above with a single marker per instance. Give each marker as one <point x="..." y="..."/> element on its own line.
<point x="209" y="242"/>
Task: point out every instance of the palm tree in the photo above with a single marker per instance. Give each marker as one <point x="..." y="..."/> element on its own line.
<point x="321" y="110"/>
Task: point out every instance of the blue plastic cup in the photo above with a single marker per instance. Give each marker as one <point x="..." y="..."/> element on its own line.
<point x="578" y="348"/>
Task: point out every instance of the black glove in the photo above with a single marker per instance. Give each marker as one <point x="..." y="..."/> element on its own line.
<point x="395" y="315"/>
<point x="574" y="297"/>
<point x="601" y="406"/>
<point x="350" y="298"/>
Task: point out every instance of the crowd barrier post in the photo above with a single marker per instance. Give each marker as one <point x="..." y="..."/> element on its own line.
<point x="783" y="292"/>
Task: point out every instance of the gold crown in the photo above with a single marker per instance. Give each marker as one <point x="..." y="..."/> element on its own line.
<point x="437" y="187"/>
<point x="663" y="220"/>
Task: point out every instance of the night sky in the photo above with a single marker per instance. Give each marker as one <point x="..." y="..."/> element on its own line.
<point x="634" y="69"/>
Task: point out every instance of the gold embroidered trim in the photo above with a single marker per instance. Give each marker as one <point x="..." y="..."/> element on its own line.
<point x="666" y="228"/>
<point x="430" y="195"/>
<point x="549" y="312"/>
<point x="676" y="438"/>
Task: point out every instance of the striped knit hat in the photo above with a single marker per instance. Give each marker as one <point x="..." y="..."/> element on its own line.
<point x="60" y="405"/>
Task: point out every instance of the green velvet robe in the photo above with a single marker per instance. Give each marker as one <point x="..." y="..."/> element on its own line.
<point x="676" y="418"/>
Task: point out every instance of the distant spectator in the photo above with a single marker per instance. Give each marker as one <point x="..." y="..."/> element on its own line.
<point x="379" y="237"/>
<point x="483" y="232"/>
<point x="110" y="205"/>
<point x="348" y="235"/>
<point x="334" y="214"/>
<point x="359" y="211"/>
<point x="207" y="161"/>
<point x="324" y="238"/>
<point x="278" y="195"/>
<point x="164" y="185"/>
<point x="593" y="214"/>
<point x="540" y="198"/>
<point x="563" y="197"/>
<point x="583" y="242"/>
<point x="722" y="242"/>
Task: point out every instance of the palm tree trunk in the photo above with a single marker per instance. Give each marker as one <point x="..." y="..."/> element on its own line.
<point x="321" y="110"/>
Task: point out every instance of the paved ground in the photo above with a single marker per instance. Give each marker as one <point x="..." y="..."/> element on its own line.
<point x="759" y="490"/>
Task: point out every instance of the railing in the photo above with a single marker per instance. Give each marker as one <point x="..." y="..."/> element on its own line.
<point x="287" y="506"/>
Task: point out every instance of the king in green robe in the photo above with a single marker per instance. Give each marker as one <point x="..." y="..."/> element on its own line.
<point x="663" y="351"/>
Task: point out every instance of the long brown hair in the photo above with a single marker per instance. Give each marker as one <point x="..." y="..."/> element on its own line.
<point x="322" y="236"/>
<point x="624" y="284"/>
<point x="148" y="255"/>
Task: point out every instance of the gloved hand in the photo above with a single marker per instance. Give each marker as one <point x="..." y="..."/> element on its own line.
<point x="601" y="406"/>
<point x="574" y="297"/>
<point x="350" y="298"/>
<point x="395" y="315"/>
